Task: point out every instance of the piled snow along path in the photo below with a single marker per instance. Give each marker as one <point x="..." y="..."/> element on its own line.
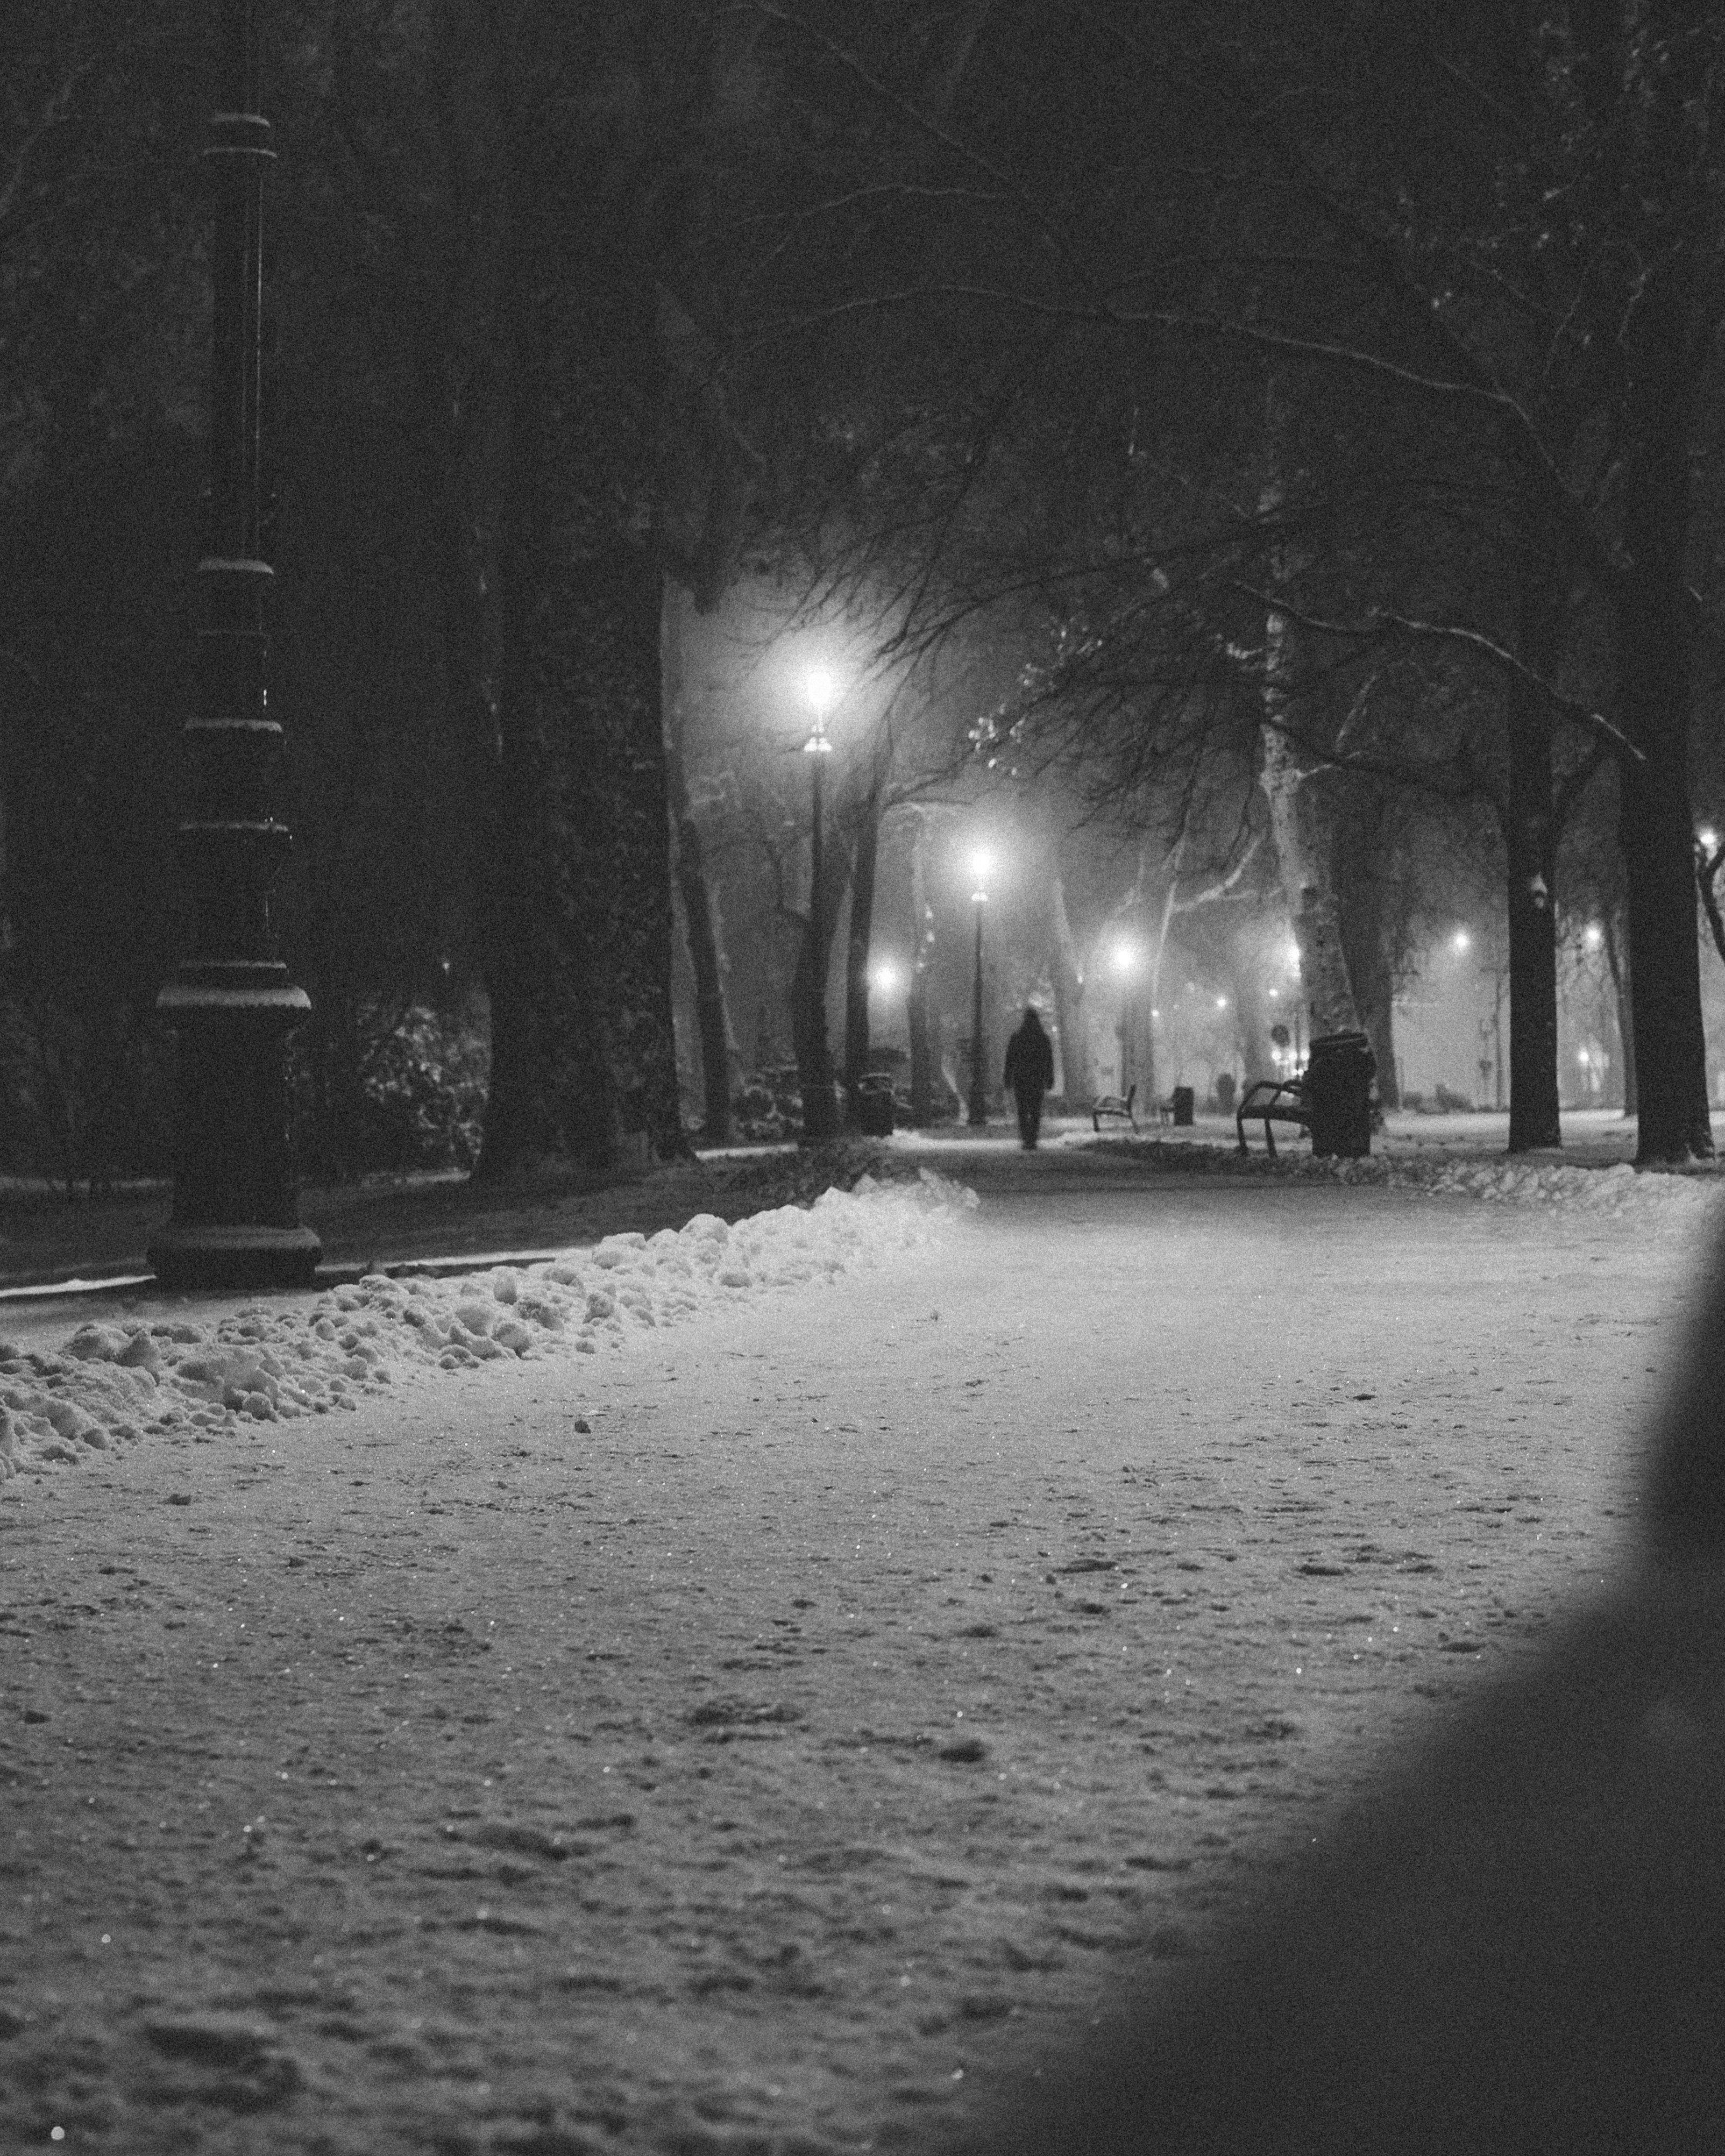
<point x="1617" y="1192"/>
<point x="110" y="1383"/>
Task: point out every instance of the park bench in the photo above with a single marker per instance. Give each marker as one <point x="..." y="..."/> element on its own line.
<point x="1114" y="1104"/>
<point x="1272" y="1101"/>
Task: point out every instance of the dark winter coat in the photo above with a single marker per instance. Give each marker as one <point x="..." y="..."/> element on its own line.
<point x="1030" y="1058"/>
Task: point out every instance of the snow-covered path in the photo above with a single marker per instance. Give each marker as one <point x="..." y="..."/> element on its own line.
<point x="762" y="1769"/>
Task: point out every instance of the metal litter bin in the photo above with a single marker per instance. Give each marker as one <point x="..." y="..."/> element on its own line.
<point x="1338" y="1095"/>
<point x="873" y="1114"/>
<point x="1184" y="1100"/>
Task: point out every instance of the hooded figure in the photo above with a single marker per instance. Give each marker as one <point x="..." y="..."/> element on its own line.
<point x="1029" y="1073"/>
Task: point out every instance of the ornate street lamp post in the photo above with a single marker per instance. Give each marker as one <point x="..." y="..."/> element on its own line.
<point x="819" y="1120"/>
<point x="979" y="1109"/>
<point x="231" y="1003"/>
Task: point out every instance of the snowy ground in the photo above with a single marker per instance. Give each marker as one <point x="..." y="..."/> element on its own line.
<point x="751" y="1735"/>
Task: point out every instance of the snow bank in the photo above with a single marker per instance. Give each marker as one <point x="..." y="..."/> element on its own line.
<point x="1617" y="1192"/>
<point x="111" y="1383"/>
<point x="1675" y="1197"/>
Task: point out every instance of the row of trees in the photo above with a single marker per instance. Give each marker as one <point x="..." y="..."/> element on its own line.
<point x="1290" y="426"/>
<point x="1352" y="398"/>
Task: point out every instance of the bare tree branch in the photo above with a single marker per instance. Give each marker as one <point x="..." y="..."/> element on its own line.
<point x="56" y="109"/>
<point x="1381" y="619"/>
<point x="925" y="122"/>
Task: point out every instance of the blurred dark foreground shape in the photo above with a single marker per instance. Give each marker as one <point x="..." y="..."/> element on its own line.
<point x="1514" y="1940"/>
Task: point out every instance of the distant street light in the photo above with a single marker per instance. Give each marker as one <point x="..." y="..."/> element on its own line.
<point x="883" y="976"/>
<point x="1592" y="936"/>
<point x="1461" y="941"/>
<point x="980" y="863"/>
<point x="230" y="1002"/>
<point x="819" y="1121"/>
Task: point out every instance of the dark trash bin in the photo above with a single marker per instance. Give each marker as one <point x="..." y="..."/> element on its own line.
<point x="1183" y="1099"/>
<point x="874" y="1112"/>
<point x="1338" y="1095"/>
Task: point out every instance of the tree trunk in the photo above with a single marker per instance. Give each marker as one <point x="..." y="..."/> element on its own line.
<point x="924" y="1059"/>
<point x="867" y="842"/>
<point x="1139" y="1036"/>
<point x="1617" y="959"/>
<point x="712" y="1019"/>
<point x="1158" y="953"/>
<point x="546" y="1034"/>
<point x="628" y="840"/>
<point x="1656" y="831"/>
<point x="1301" y="830"/>
<point x="574" y="875"/>
<point x="1078" y="1076"/>
<point x="549" y="1104"/>
<point x="473" y="394"/>
<point x="1252" y="1020"/>
<point x="1655" y="634"/>
<point x="1530" y="843"/>
<point x="1365" y="843"/>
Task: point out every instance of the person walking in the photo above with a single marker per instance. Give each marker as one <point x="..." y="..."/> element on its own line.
<point x="1030" y="1074"/>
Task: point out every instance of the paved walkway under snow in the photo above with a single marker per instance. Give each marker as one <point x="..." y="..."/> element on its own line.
<point x="763" y="1766"/>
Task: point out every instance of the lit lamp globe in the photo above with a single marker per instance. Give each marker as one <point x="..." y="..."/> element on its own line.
<point x="821" y="687"/>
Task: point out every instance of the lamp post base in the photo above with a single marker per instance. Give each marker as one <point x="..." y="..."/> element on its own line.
<point x="234" y="1257"/>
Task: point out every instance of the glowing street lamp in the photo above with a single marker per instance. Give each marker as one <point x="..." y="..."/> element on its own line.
<point x="1461" y="941"/>
<point x="1592" y="936"/>
<point x="819" y="1121"/>
<point x="981" y="861"/>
